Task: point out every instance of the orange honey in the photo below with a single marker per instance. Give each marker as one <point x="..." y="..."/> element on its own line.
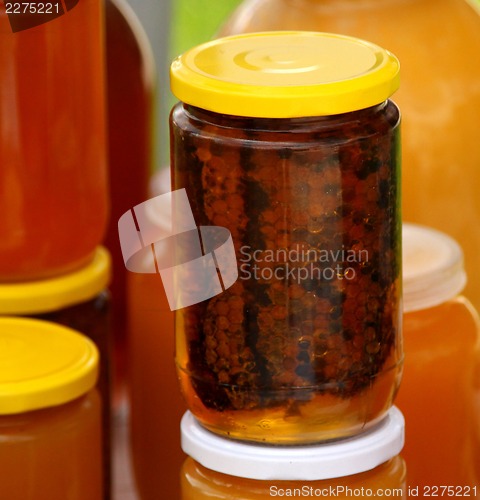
<point x="50" y="413"/>
<point x="53" y="182"/>
<point x="44" y="451"/>
<point x="225" y="470"/>
<point x="441" y="343"/>
<point x="130" y="96"/>
<point x="156" y="404"/>
<point x="200" y="483"/>
<point x="437" y="44"/>
<point x="79" y="300"/>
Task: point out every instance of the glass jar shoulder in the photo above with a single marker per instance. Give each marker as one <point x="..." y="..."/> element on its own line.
<point x="455" y="323"/>
<point x="35" y="425"/>
<point x="391" y="16"/>
<point x="356" y="125"/>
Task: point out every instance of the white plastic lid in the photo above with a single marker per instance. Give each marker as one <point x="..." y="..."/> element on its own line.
<point x="308" y="463"/>
<point x="433" y="269"/>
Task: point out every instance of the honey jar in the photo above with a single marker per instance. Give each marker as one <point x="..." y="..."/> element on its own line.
<point x="156" y="404"/>
<point x="79" y="300"/>
<point x="442" y="350"/>
<point x="50" y="413"/>
<point x="290" y="141"/>
<point x="53" y="180"/>
<point x="130" y="105"/>
<point x="362" y="466"/>
<point x="436" y="43"/>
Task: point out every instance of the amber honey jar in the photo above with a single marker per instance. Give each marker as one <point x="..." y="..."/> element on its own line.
<point x="442" y="351"/>
<point x="436" y="151"/>
<point x="156" y="404"/>
<point x="50" y="413"/>
<point x="362" y="466"/>
<point x="53" y="180"/>
<point x="130" y="105"/>
<point x="79" y="300"/>
<point x="290" y="141"/>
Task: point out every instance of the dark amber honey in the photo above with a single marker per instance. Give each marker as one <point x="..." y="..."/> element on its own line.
<point x="289" y="140"/>
<point x="305" y="345"/>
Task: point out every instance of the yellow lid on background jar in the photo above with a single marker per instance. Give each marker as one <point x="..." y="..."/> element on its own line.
<point x="285" y="74"/>
<point x="43" y="296"/>
<point x="43" y="365"/>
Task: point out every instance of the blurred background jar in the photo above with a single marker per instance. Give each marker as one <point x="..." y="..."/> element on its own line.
<point x="156" y="404"/>
<point x="131" y="86"/>
<point x="53" y="180"/>
<point x="79" y="300"/>
<point x="50" y="413"/>
<point x="442" y="348"/>
<point x="222" y="469"/>
<point x="437" y="44"/>
<point x="305" y="345"/>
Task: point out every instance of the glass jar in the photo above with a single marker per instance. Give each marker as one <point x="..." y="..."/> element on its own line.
<point x="436" y="43"/>
<point x="53" y="182"/>
<point x="442" y="341"/>
<point x="156" y="404"/>
<point x="130" y="98"/>
<point x="366" y="465"/>
<point x="78" y="300"/>
<point x="290" y="142"/>
<point x="50" y="413"/>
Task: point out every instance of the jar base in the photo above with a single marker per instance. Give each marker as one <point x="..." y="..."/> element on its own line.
<point x="324" y="417"/>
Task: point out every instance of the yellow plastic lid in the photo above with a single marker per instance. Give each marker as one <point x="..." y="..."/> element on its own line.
<point x="43" y="365"/>
<point x="37" y="297"/>
<point x="285" y="74"/>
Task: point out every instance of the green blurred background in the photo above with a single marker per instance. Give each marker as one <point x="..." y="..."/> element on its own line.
<point x="196" y="21"/>
<point x="174" y="26"/>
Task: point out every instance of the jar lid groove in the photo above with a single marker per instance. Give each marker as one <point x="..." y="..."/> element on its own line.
<point x="285" y="74"/>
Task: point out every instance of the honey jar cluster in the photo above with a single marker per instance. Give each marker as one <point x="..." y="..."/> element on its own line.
<point x="60" y="196"/>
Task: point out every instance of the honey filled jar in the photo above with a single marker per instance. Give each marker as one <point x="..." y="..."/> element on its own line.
<point x="53" y="182"/>
<point x="442" y="349"/>
<point x="289" y="141"/>
<point x="130" y="102"/>
<point x="81" y="301"/>
<point x="436" y="43"/>
<point x="362" y="466"/>
<point x="50" y="413"/>
<point x="156" y="404"/>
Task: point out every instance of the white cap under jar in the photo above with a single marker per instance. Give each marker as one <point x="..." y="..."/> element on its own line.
<point x="331" y="460"/>
<point x="433" y="269"/>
